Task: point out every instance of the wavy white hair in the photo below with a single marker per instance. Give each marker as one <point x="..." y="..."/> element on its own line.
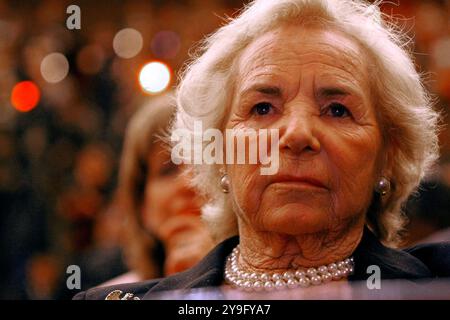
<point x="408" y="121"/>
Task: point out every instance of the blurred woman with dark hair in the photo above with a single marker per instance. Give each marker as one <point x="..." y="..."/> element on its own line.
<point x="163" y="232"/>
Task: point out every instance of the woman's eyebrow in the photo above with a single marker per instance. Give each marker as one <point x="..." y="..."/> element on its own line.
<point x="264" y="89"/>
<point x="332" y="92"/>
<point x="343" y="89"/>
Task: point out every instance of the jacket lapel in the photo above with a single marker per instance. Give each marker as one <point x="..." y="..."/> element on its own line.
<point x="393" y="264"/>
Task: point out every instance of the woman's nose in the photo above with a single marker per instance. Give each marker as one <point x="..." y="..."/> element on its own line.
<point x="297" y="133"/>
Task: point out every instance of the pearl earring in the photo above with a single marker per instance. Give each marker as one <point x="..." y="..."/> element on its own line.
<point x="225" y="183"/>
<point x="383" y="186"/>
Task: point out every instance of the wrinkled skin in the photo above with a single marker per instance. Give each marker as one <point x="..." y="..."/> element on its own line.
<point x="313" y="85"/>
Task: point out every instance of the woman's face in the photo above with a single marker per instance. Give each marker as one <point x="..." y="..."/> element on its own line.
<point x="313" y="86"/>
<point x="167" y="194"/>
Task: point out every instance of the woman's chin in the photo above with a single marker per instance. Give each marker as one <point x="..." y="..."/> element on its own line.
<point x="297" y="222"/>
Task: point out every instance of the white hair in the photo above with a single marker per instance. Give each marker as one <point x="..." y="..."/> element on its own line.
<point x="408" y="121"/>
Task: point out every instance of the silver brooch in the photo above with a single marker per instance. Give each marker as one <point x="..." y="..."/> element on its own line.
<point x="115" y="295"/>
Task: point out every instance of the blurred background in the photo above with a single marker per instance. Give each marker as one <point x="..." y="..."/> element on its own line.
<point x="66" y="97"/>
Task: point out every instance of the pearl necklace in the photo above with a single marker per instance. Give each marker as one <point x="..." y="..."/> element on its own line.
<point x="257" y="281"/>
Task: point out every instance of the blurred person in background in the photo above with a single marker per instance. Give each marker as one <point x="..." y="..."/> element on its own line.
<point x="162" y="232"/>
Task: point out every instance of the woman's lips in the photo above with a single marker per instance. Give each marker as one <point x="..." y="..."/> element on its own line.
<point x="303" y="181"/>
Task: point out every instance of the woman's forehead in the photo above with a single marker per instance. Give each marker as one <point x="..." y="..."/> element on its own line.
<point x="290" y="47"/>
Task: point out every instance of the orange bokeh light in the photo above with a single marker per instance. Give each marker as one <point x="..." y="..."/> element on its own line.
<point x="25" y="96"/>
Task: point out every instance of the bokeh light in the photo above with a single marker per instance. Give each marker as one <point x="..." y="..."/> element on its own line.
<point x="25" y="96"/>
<point x="128" y="43"/>
<point x="54" y="67"/>
<point x="155" y="77"/>
<point x="166" y="44"/>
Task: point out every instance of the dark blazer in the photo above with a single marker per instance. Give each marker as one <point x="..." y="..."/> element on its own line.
<point x="422" y="262"/>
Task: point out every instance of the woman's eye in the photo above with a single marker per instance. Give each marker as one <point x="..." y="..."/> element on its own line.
<point x="262" y="108"/>
<point x="337" y="110"/>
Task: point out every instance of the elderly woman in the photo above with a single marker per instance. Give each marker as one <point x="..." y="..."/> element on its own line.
<point x="357" y="133"/>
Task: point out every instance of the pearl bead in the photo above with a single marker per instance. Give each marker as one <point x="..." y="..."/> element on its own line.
<point x="327" y="277"/>
<point x="264" y="276"/>
<point x="303" y="282"/>
<point x="316" y="280"/>
<point x="332" y="267"/>
<point x="276" y="277"/>
<point x="322" y="269"/>
<point x="341" y="265"/>
<point x="311" y="272"/>
<point x="253" y="276"/>
<point x="291" y="283"/>
<point x="258" y="285"/>
<point x="280" y="284"/>
<point x="268" y="285"/>
<point x="300" y="274"/>
<point x="288" y="275"/>
<point x="336" y="275"/>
